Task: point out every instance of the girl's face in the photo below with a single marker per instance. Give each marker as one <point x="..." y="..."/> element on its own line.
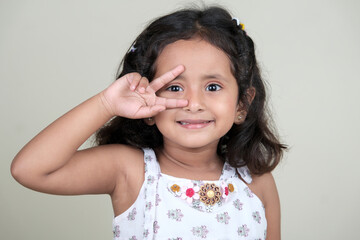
<point x="208" y="85"/>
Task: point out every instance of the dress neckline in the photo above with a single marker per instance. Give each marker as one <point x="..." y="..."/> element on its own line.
<point x="226" y="172"/>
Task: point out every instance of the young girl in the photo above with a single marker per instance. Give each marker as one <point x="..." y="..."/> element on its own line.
<point x="187" y="153"/>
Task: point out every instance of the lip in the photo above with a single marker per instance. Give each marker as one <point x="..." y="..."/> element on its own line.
<point x="194" y="123"/>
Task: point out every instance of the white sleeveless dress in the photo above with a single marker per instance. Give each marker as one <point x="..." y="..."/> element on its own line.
<point x="179" y="209"/>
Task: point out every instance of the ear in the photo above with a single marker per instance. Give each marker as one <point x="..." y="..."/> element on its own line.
<point x="240" y="115"/>
<point x="250" y="94"/>
<point x="241" y="111"/>
<point x="149" y="121"/>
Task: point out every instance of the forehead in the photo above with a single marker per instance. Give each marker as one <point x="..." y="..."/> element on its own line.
<point x="197" y="55"/>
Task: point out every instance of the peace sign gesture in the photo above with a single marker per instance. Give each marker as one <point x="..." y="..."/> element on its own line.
<point x="132" y="96"/>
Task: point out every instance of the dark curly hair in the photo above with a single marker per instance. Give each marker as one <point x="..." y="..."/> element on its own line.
<point x="252" y="143"/>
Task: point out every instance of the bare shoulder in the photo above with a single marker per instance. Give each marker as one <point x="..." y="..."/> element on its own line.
<point x="128" y="163"/>
<point x="264" y="187"/>
<point x="124" y="156"/>
<point x="117" y="157"/>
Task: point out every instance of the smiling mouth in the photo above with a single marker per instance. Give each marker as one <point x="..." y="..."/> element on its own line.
<point x="195" y="124"/>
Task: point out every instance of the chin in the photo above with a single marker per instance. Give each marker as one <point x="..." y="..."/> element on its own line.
<point x="197" y="143"/>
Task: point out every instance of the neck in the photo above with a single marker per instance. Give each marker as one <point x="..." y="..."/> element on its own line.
<point x="197" y="164"/>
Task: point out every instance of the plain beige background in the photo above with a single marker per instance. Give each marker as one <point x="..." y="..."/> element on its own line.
<point x="55" y="54"/>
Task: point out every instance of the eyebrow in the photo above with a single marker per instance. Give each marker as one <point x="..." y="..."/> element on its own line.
<point x="204" y="77"/>
<point x="217" y="76"/>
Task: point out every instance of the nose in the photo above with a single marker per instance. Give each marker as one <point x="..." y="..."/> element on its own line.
<point x="195" y="101"/>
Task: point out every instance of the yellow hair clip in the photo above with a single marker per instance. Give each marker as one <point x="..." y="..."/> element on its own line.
<point x="238" y="23"/>
<point x="242" y="26"/>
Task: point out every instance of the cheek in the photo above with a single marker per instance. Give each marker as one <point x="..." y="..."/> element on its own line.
<point x="163" y="119"/>
<point x="227" y="104"/>
<point x="159" y="118"/>
<point x="227" y="110"/>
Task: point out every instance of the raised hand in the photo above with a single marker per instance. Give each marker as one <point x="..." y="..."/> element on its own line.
<point x="132" y="96"/>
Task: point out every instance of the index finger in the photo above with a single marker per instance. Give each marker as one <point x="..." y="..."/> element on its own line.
<point x="161" y="81"/>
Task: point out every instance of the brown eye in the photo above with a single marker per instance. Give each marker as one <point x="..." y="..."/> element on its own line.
<point x="174" y="88"/>
<point x="213" y="87"/>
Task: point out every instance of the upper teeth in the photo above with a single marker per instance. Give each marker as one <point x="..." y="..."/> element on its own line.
<point x="186" y="123"/>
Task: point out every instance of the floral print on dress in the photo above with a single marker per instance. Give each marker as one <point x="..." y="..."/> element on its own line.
<point x="245" y="174"/>
<point x="238" y="205"/>
<point x="175" y="214"/>
<point x="164" y="214"/>
<point x="248" y="192"/>
<point x="256" y="216"/>
<point x="116" y="231"/>
<point x="150" y="179"/>
<point x="132" y="215"/>
<point x="148" y="158"/>
<point x="157" y="200"/>
<point x="200" y="231"/>
<point x="243" y="231"/>
<point x="156" y="227"/>
<point x="223" y="218"/>
<point x="196" y="205"/>
<point x="148" y="206"/>
<point x="227" y="167"/>
<point x="146" y="169"/>
<point x="146" y="233"/>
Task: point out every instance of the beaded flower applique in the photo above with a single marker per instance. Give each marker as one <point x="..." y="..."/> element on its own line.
<point x="202" y="196"/>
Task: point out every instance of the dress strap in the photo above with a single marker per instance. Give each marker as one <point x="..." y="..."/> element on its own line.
<point x="227" y="172"/>
<point x="245" y="174"/>
<point x="151" y="164"/>
<point x="152" y="174"/>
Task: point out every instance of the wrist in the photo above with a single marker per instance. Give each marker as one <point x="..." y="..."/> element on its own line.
<point x="108" y="111"/>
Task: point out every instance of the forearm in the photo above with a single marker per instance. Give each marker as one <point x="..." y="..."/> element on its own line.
<point x="51" y="158"/>
<point x="53" y="147"/>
